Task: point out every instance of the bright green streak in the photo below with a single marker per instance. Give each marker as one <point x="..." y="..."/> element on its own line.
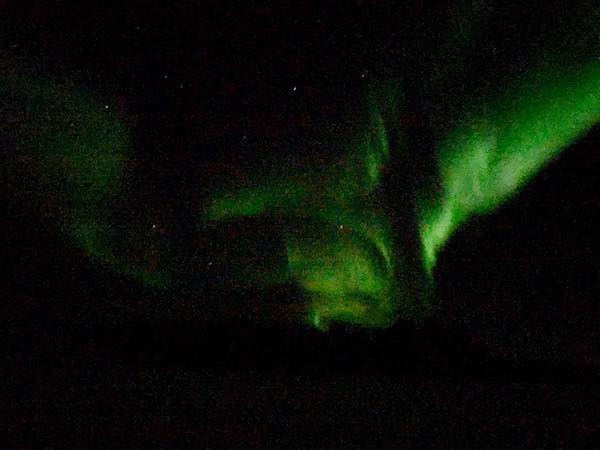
<point x="338" y="244"/>
<point x="501" y="146"/>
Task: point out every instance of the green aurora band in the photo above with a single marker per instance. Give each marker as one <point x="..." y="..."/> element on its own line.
<point x="503" y="143"/>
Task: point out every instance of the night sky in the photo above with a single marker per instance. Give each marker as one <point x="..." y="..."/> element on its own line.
<point x="130" y="320"/>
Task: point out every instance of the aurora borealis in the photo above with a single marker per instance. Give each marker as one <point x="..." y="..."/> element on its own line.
<point x="502" y="144"/>
<point x="342" y="248"/>
<point x="338" y="241"/>
<point x="289" y="224"/>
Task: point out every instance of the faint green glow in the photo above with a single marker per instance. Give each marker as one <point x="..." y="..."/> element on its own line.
<point x="80" y="151"/>
<point x="276" y="196"/>
<point x="338" y="244"/>
<point x="503" y="143"/>
<point x="351" y="179"/>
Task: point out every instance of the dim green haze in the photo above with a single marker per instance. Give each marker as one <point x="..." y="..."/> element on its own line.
<point x="77" y="149"/>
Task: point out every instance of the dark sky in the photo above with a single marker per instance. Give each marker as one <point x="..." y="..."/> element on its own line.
<point x="216" y="90"/>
